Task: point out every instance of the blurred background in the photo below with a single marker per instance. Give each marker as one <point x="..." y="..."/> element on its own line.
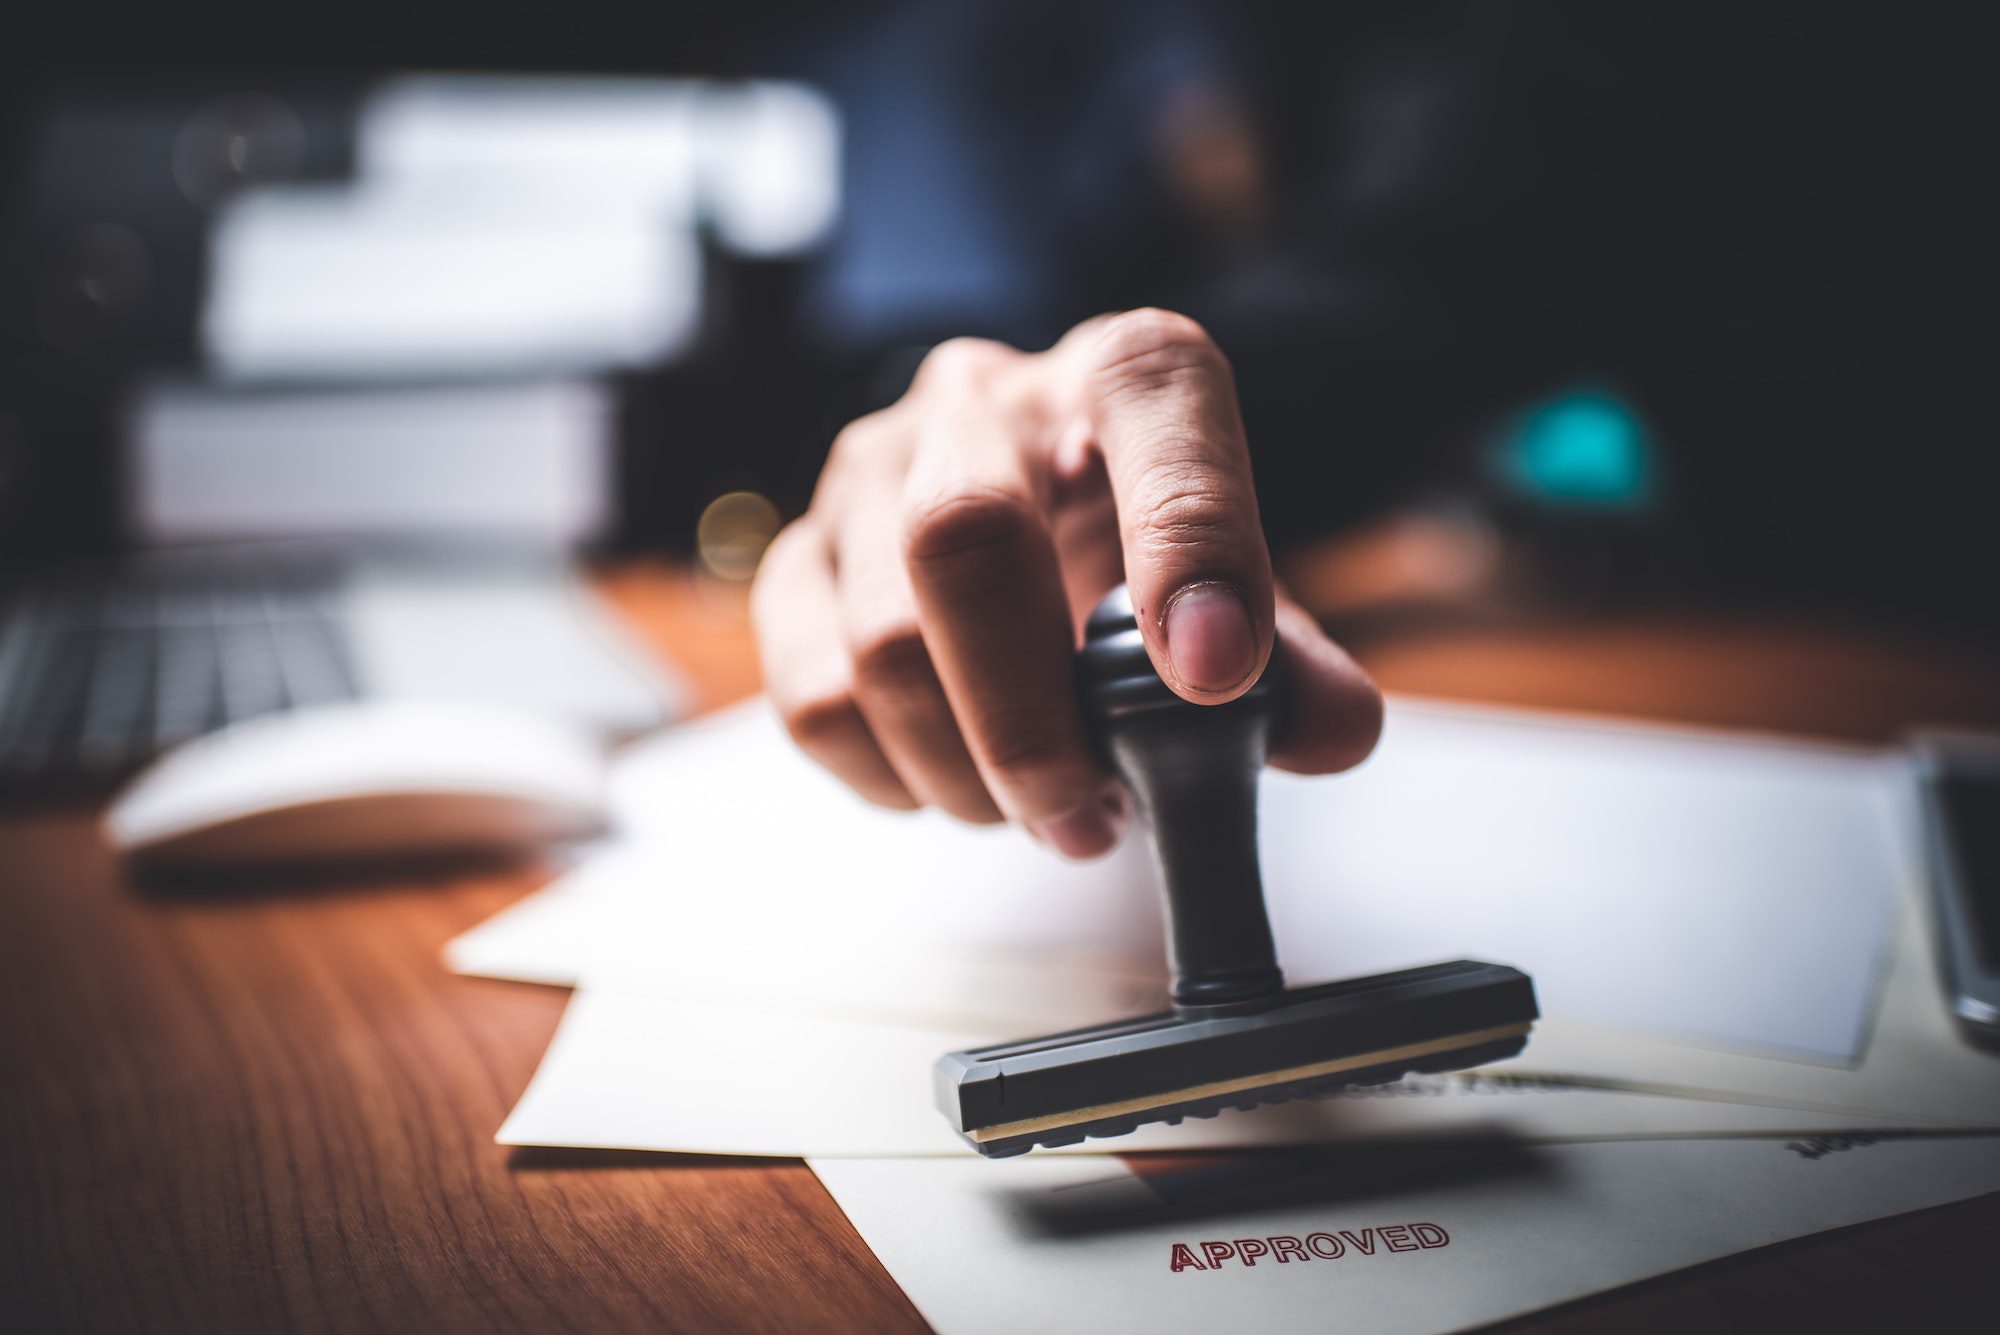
<point x="1537" y="309"/>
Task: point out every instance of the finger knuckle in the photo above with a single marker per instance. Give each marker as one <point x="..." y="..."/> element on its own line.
<point x="1183" y="507"/>
<point x="778" y="571"/>
<point x="821" y="720"/>
<point x="960" y="363"/>
<point x="892" y="662"/>
<point x="1150" y="345"/>
<point x="1022" y="751"/>
<point x="776" y="553"/>
<point x="860" y="440"/>
<point x="965" y="521"/>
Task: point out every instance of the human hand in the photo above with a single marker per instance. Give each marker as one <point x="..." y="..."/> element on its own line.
<point x="917" y="624"/>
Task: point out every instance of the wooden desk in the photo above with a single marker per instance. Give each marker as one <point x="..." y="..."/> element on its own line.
<point x="270" y="1113"/>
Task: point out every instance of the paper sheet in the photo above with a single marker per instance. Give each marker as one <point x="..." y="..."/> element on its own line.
<point x="628" y="1070"/>
<point x="1694" y="886"/>
<point x="1394" y="1241"/>
<point x="545" y="937"/>
<point x="777" y="994"/>
<point x="733" y="834"/>
<point x="1916" y="1064"/>
<point x="633" y="1067"/>
<point x="1690" y="886"/>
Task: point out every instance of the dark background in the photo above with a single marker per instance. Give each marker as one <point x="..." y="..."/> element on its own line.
<point x="1761" y="228"/>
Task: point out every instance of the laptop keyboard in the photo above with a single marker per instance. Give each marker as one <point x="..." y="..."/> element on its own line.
<point x="97" y="676"/>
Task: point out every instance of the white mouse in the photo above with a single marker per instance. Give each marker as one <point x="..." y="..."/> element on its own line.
<point x="369" y="781"/>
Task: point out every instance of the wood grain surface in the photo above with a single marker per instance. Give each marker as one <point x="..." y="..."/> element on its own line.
<point x="270" y="1108"/>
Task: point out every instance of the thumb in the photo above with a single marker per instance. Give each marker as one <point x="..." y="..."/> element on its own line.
<point x="1162" y="407"/>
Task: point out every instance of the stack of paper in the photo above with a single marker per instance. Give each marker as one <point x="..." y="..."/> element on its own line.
<point x="1721" y="930"/>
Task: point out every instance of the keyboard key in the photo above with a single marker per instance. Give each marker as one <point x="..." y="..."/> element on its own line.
<point x="95" y="678"/>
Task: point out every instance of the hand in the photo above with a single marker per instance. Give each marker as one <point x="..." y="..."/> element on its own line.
<point x="917" y="625"/>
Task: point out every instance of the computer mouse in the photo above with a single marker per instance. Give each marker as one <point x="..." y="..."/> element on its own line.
<point x="370" y="781"/>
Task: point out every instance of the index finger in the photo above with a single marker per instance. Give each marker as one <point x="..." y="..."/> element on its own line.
<point x="1162" y="406"/>
<point x="996" y="620"/>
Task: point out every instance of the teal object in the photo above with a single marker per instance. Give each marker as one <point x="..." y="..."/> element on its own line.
<point x="1582" y="447"/>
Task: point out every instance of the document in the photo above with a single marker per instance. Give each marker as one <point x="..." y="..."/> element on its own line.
<point x="1730" y="892"/>
<point x="771" y="967"/>
<point x="649" y="1066"/>
<point x="766" y="966"/>
<point x="545" y="937"/>
<point x="1915" y="1063"/>
<point x="1392" y="1240"/>
<point x="628" y="1070"/>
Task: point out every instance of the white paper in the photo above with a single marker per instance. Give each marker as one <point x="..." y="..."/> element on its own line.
<point x="779" y="992"/>
<point x="1727" y="890"/>
<point x="628" y="1070"/>
<point x="734" y="836"/>
<point x="639" y="1068"/>
<point x="1916" y="1064"/>
<point x="538" y="939"/>
<point x="1733" y="892"/>
<point x="1084" y="1244"/>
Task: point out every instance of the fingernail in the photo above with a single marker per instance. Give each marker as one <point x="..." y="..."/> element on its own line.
<point x="1210" y="642"/>
<point x="1087" y="832"/>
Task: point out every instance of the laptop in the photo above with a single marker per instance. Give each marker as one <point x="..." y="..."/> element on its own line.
<point x="291" y="546"/>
